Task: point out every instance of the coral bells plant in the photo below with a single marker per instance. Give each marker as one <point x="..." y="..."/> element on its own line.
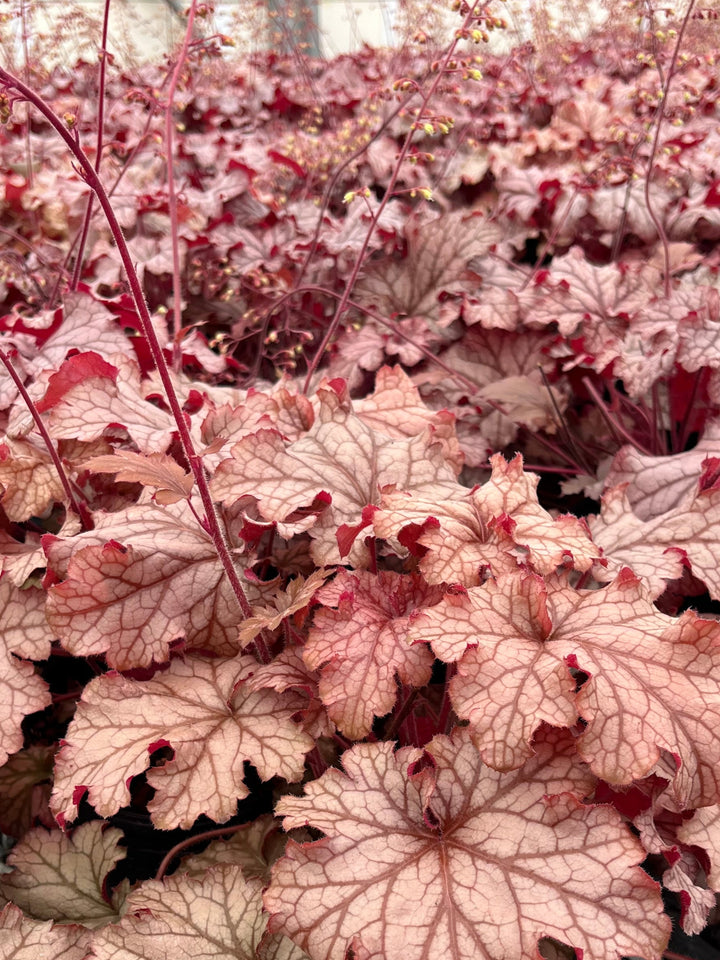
<point x="360" y="502"/>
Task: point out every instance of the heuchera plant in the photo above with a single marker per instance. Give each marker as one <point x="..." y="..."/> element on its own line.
<point x="360" y="475"/>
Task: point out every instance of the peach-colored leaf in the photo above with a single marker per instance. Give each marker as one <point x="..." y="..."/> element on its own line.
<point x="438" y="253"/>
<point x="696" y="901"/>
<point x="18" y="560"/>
<point x="298" y="594"/>
<point x="659" y="484"/>
<point x="512" y="493"/>
<point x="505" y="684"/>
<point x="488" y="528"/>
<point x="217" y="917"/>
<point x="655" y="549"/>
<point x="21" y="691"/>
<point x="60" y="877"/>
<point x="22" y="938"/>
<point x="144" y="577"/>
<point x="29" y="478"/>
<point x="84" y="320"/>
<point x="25" y="784"/>
<point x="288" y="671"/>
<point x="339" y="456"/>
<point x="213" y="723"/>
<point x="361" y="645"/>
<point x="458" y="544"/>
<point x="23" y="626"/>
<point x="703" y="830"/>
<point x="652" y="680"/>
<point x="395" y="408"/>
<point x="156" y="470"/>
<point x="93" y="404"/>
<point x="461" y="861"/>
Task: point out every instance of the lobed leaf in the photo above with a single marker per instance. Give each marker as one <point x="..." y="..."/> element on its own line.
<point x="212" y="721"/>
<point x="143" y="578"/>
<point x="60" y="877"/>
<point x="461" y="861"/>
<point x="22" y="938"/>
<point x="652" y="682"/>
<point x="361" y="645"/>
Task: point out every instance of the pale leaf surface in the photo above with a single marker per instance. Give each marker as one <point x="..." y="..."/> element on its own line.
<point x="217" y="917"/>
<point x="505" y="685"/>
<point x="652" y="680"/>
<point x="18" y="560"/>
<point x="156" y="470"/>
<point x="92" y="404"/>
<point x="23" y="626"/>
<point x="396" y="409"/>
<point x="21" y="691"/>
<point x="288" y="671"/>
<point x="438" y="253"/>
<point x="298" y="594"/>
<point x="703" y="830"/>
<point x="460" y="544"/>
<point x="339" y="456"/>
<point x="60" y="877"/>
<point x="624" y="540"/>
<point x="84" y="320"/>
<point x="653" y="685"/>
<point x="23" y="938"/>
<point x="655" y="549"/>
<point x="29" y="478"/>
<point x="212" y="727"/>
<point x="657" y="485"/>
<point x="361" y="645"/>
<point x="696" y="901"/>
<point x="487" y="528"/>
<point x="461" y="861"/>
<point x="144" y="577"/>
<point x="550" y="541"/>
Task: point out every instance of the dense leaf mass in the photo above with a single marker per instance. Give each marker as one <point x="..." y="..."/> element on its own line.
<point x="383" y="551"/>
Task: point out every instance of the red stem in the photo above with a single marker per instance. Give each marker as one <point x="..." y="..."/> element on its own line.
<point x="78" y="508"/>
<point x="213" y="521"/>
<point x="360" y="260"/>
<point x="191" y="842"/>
<point x="617" y="428"/>
<point x="172" y="194"/>
<point x="651" y="160"/>
<point x="77" y="272"/>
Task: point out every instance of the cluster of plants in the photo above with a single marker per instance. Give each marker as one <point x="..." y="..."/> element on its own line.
<point x="360" y="513"/>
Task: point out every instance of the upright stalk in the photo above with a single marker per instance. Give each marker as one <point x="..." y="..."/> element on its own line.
<point x="214" y="525"/>
<point x="77" y="272"/>
<point x="651" y="159"/>
<point x="360" y="260"/>
<point x="172" y="195"/>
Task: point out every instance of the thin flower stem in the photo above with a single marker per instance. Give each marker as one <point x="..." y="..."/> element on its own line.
<point x="360" y="259"/>
<point x="398" y="716"/>
<point x="191" y="842"/>
<point x="685" y="432"/>
<point x="29" y="172"/>
<point x="77" y="272"/>
<point x="433" y="358"/>
<point x="569" y="439"/>
<point x="651" y="159"/>
<point x="213" y="520"/>
<point x="78" y="508"/>
<point x="172" y="193"/>
<point x="617" y="428"/>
